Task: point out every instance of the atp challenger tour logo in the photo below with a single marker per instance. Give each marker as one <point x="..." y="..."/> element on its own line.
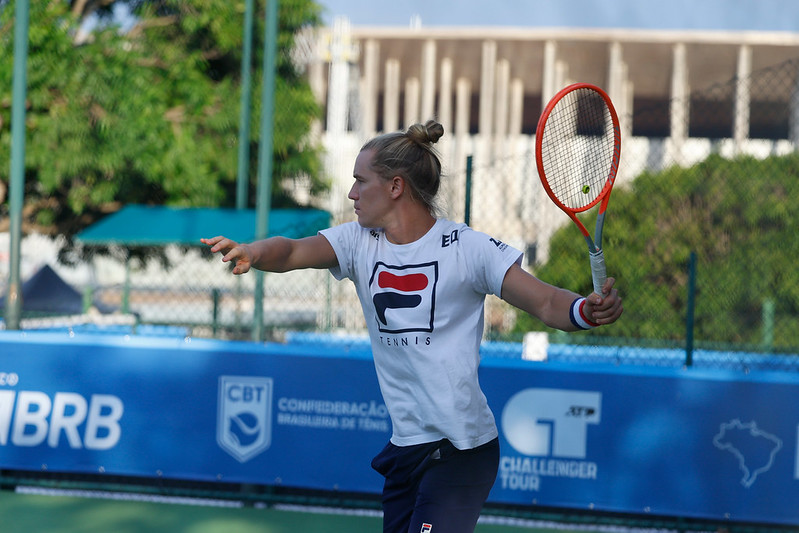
<point x="549" y="427"/>
<point x="244" y="416"/>
<point x="404" y="297"/>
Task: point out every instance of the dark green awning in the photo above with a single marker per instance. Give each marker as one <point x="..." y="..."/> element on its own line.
<point x="138" y="225"/>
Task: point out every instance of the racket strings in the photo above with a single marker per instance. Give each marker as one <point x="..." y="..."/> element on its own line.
<point x="578" y="148"/>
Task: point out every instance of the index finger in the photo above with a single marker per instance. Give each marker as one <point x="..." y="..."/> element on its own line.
<point x="212" y="240"/>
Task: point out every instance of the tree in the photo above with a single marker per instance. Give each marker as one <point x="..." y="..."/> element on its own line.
<point x="738" y="216"/>
<point x="148" y="115"/>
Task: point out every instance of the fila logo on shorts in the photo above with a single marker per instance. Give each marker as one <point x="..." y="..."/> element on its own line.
<point x="426" y="528"/>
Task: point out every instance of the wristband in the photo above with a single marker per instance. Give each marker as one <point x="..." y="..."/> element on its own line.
<point x="577" y="316"/>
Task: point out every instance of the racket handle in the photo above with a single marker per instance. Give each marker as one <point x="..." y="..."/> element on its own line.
<point x="598" y="271"/>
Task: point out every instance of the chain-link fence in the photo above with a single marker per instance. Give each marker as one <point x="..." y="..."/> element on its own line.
<point x="717" y="206"/>
<point x="700" y="230"/>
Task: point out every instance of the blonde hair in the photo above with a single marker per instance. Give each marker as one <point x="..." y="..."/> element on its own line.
<point x="411" y="155"/>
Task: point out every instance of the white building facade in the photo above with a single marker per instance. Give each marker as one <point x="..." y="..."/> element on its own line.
<point x="487" y="86"/>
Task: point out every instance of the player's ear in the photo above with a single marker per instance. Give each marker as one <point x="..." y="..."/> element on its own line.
<point x="397" y="186"/>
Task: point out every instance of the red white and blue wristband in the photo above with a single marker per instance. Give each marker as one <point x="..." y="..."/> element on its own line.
<point x="577" y="315"/>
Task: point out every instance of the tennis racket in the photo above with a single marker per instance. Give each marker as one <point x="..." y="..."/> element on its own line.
<point x="577" y="151"/>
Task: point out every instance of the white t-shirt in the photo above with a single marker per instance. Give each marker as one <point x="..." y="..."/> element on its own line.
<point x="424" y="307"/>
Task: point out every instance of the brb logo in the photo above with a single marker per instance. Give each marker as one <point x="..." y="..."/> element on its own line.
<point x="244" y="416"/>
<point x="404" y="297"/>
<point x="551" y="422"/>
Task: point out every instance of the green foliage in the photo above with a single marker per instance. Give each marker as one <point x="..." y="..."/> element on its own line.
<point x="739" y="216"/>
<point x="151" y="115"/>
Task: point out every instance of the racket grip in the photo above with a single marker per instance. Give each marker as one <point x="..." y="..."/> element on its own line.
<point x="598" y="271"/>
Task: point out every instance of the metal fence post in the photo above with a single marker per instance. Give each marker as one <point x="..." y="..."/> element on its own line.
<point x="467" y="209"/>
<point x="16" y="189"/>
<point x="243" y="178"/>
<point x="215" y="297"/>
<point x="689" y="318"/>
<point x="265" y="149"/>
<point x="769" y="308"/>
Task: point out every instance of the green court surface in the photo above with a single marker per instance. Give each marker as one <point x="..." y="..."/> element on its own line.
<point x="45" y="513"/>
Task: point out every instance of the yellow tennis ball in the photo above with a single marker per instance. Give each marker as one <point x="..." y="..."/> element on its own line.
<point x="586" y="188"/>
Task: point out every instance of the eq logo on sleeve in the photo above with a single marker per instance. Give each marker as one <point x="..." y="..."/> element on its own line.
<point x="404" y="297"/>
<point x="244" y="416"/>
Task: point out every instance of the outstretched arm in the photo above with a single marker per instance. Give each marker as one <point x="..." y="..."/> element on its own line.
<point x="552" y="304"/>
<point x="275" y="254"/>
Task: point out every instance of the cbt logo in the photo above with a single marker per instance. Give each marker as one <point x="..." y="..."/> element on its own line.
<point x="551" y="422"/>
<point x="404" y="297"/>
<point x="244" y="416"/>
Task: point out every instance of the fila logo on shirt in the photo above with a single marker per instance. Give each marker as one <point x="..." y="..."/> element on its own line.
<point x="404" y="296"/>
<point x="426" y="528"/>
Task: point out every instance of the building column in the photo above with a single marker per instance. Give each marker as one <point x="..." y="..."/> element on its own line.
<point x="487" y="84"/>
<point x="428" y="80"/>
<point x="680" y="100"/>
<point x="445" y="96"/>
<point x="549" y="76"/>
<point x="742" y="98"/>
<point x="562" y="78"/>
<point x="463" y="105"/>
<point x="341" y="53"/>
<point x="516" y="115"/>
<point x="618" y="86"/>
<point x="616" y="73"/>
<point x="369" y="88"/>
<point x="391" y="96"/>
<point x="555" y="73"/>
<point x="501" y="100"/>
<point x="627" y="123"/>
<point x="501" y="163"/>
<point x="447" y="145"/>
<point x="411" y="102"/>
<point x="316" y="79"/>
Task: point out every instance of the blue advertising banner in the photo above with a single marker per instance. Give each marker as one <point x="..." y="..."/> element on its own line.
<point x="200" y="410"/>
<point x="693" y="443"/>
<point x="702" y="444"/>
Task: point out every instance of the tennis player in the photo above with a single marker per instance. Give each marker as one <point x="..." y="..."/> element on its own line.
<point x="422" y="282"/>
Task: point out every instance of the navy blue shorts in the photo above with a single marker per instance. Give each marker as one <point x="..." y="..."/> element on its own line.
<point x="435" y="487"/>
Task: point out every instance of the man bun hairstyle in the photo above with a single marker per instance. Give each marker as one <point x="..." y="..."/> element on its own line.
<point x="429" y="132"/>
<point x="411" y="155"/>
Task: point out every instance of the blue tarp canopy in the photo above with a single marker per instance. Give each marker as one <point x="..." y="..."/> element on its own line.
<point x="139" y="225"/>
